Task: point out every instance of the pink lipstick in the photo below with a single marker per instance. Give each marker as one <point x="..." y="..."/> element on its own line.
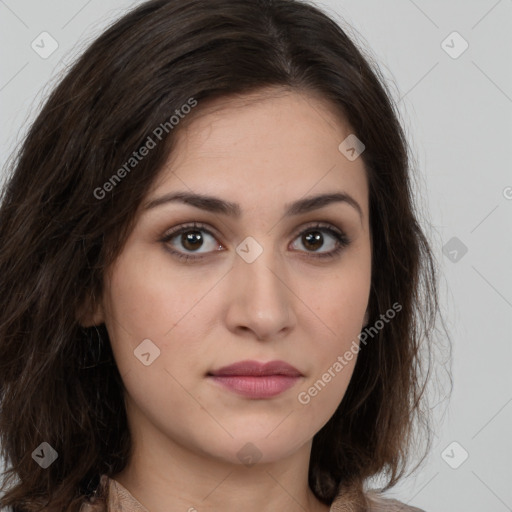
<point x="257" y="380"/>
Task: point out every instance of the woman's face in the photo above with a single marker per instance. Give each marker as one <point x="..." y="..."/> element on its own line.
<point x="261" y="285"/>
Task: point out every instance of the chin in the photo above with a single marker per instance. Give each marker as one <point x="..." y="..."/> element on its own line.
<point x="250" y="448"/>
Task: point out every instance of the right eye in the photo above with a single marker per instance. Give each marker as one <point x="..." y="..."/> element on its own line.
<point x="190" y="237"/>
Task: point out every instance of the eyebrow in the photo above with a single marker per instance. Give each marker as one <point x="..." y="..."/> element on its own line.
<point x="217" y="205"/>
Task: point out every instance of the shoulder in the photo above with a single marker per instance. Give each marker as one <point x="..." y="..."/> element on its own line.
<point x="97" y="506"/>
<point x="370" y="501"/>
<point x="98" y="503"/>
<point x="378" y="503"/>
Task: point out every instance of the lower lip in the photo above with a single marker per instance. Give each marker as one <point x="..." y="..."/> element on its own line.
<point x="256" y="387"/>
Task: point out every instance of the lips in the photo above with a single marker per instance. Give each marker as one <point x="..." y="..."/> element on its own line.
<point x="256" y="369"/>
<point x="255" y="380"/>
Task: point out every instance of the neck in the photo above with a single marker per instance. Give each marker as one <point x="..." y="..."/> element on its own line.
<point x="163" y="475"/>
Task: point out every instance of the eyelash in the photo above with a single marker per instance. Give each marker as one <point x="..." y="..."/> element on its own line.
<point x="342" y="240"/>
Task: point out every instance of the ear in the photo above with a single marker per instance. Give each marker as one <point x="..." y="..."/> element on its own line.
<point x="90" y="312"/>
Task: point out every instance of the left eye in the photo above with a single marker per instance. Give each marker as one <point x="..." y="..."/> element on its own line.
<point x="191" y="238"/>
<point x="314" y="237"/>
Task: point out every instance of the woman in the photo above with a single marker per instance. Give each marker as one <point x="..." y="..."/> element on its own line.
<point x="217" y="289"/>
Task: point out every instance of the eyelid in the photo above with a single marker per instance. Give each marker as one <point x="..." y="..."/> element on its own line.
<point x="188" y="227"/>
<point x="340" y="235"/>
<point x="205" y="227"/>
<point x="320" y="225"/>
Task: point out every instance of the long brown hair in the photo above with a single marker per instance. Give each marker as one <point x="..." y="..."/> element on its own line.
<point x="64" y="218"/>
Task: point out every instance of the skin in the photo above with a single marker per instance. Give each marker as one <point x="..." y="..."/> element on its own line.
<point x="202" y="315"/>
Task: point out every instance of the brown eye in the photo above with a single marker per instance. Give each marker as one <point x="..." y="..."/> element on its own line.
<point x="185" y="242"/>
<point x="191" y="240"/>
<point x="314" y="238"/>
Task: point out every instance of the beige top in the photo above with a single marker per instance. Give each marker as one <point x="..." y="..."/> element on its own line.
<point x="120" y="500"/>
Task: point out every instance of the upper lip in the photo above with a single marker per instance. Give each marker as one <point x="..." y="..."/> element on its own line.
<point x="255" y="368"/>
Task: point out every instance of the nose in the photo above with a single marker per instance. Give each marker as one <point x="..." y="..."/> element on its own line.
<point x="260" y="298"/>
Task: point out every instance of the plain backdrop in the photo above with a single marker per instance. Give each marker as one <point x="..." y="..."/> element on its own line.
<point x="448" y="64"/>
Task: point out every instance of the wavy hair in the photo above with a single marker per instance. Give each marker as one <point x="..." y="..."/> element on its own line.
<point x="58" y="236"/>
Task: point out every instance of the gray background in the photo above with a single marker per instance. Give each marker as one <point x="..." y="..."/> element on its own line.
<point x="458" y="116"/>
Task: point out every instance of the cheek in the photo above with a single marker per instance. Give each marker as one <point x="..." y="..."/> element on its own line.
<point x="320" y="396"/>
<point x="146" y="299"/>
<point x="138" y="306"/>
<point x="340" y="305"/>
<point x="143" y="307"/>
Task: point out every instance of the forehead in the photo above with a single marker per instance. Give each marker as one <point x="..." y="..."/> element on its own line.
<point x="267" y="146"/>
